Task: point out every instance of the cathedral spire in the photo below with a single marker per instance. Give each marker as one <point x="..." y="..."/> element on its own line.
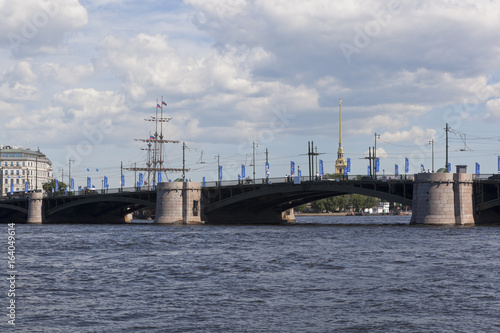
<point x="340" y="164"/>
<point x="340" y="124"/>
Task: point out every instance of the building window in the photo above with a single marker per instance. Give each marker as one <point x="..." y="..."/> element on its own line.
<point x="17" y="181"/>
<point x="11" y="163"/>
<point x="24" y="163"/>
<point x="6" y="172"/>
<point x="17" y="172"/>
<point x="17" y="163"/>
<point x="24" y="172"/>
<point x="12" y="172"/>
<point x="6" y="181"/>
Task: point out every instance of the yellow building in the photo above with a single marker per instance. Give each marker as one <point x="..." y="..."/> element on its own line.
<point x="341" y="163"/>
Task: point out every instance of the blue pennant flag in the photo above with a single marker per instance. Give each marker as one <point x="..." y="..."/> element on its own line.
<point x="396" y="170"/>
<point x="72" y="184"/>
<point x="123" y="180"/>
<point x="377" y="165"/>
<point x="292" y="167"/>
<point x="348" y="165"/>
<point x="106" y="182"/>
<point x="449" y="167"/>
<point x="369" y="170"/>
<point x="478" y="168"/>
<point x="220" y="172"/>
<point x="243" y="171"/>
<point x="422" y="167"/>
<point x="26" y="187"/>
<point x="57" y="185"/>
<point x="141" y="179"/>
<point x="204" y="182"/>
<point x="321" y="170"/>
<point x="267" y="169"/>
<point x="11" y="188"/>
<point x="407" y="165"/>
<point x="89" y="182"/>
<point x="159" y="177"/>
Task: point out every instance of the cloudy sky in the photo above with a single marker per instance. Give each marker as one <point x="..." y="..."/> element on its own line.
<point x="78" y="77"/>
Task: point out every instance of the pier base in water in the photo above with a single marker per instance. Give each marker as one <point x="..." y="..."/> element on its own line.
<point x="35" y="213"/>
<point x="443" y="199"/>
<point x="178" y="203"/>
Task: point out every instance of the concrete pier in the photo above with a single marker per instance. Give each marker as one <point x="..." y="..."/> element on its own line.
<point x="35" y="213"/>
<point x="443" y="199"/>
<point x="178" y="203"/>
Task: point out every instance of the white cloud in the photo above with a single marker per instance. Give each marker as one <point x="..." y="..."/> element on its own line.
<point x="415" y="134"/>
<point x="492" y="110"/>
<point x="39" y="26"/>
<point x="18" y="92"/>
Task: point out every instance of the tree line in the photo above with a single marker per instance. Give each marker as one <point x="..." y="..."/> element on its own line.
<point x="345" y="202"/>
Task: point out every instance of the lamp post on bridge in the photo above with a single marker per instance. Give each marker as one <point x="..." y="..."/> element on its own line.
<point x="432" y="143"/>
<point x="374" y="174"/>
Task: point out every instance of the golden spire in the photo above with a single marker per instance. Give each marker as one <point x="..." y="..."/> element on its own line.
<point x="340" y="123"/>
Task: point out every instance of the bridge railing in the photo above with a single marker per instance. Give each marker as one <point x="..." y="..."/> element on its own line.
<point x="487" y="177"/>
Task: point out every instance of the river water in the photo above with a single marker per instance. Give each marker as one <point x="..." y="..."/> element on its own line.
<point x="323" y="274"/>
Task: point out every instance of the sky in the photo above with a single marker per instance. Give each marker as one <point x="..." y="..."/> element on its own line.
<point x="78" y="77"/>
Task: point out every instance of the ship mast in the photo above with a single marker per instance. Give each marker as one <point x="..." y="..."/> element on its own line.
<point x="155" y="159"/>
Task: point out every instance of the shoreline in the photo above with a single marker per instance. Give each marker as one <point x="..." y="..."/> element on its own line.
<point x="343" y="214"/>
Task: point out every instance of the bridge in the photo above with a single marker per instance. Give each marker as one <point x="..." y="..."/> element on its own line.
<point x="237" y="202"/>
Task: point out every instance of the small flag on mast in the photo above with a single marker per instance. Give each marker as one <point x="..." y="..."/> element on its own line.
<point x="163" y="103"/>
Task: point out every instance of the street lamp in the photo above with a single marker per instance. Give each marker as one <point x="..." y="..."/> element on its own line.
<point x="377" y="136"/>
<point x="432" y="143"/>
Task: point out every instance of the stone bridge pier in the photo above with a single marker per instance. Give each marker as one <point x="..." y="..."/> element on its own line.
<point x="35" y="212"/>
<point x="178" y="203"/>
<point x="443" y="199"/>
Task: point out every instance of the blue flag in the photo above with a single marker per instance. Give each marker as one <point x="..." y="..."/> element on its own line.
<point x="369" y="170"/>
<point x="123" y="180"/>
<point x="11" y="188"/>
<point x="159" y="176"/>
<point x="449" y="167"/>
<point x="348" y="165"/>
<point x="321" y="170"/>
<point x="72" y="184"/>
<point x="57" y="185"/>
<point x="377" y="165"/>
<point x="204" y="183"/>
<point x="267" y="169"/>
<point x="89" y="182"/>
<point x="243" y="171"/>
<point x="407" y="165"/>
<point x="292" y="167"/>
<point x="106" y="182"/>
<point x="26" y="187"/>
<point x="478" y="168"/>
<point x="422" y="167"/>
<point x="396" y="170"/>
<point x="220" y="172"/>
<point x="141" y="179"/>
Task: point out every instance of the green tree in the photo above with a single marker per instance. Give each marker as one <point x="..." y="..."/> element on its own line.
<point x="48" y="186"/>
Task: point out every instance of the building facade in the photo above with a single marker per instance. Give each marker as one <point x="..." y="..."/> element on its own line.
<point x="19" y="166"/>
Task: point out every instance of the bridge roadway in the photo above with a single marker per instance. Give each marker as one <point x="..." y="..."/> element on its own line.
<point x="231" y="201"/>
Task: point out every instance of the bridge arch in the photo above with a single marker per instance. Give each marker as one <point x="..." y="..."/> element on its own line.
<point x="91" y="200"/>
<point x="286" y="196"/>
<point x="14" y="207"/>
